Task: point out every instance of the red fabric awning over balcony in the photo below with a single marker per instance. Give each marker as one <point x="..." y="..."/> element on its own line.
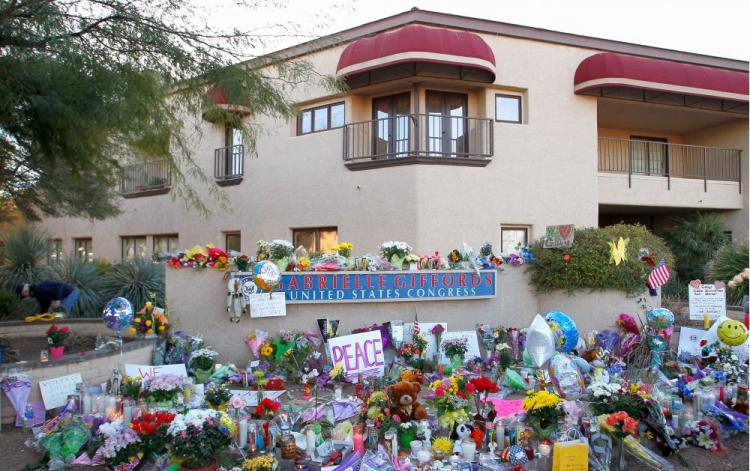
<point x="417" y="43"/>
<point x="607" y="69"/>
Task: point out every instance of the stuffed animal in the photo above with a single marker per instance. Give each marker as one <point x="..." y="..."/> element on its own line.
<point x="404" y="401"/>
<point x="460" y="432"/>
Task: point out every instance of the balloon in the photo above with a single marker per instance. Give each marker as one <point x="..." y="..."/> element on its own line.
<point x="607" y="339"/>
<point x="540" y="342"/>
<point x="564" y="329"/>
<point x="514" y="380"/>
<point x="267" y="275"/>
<point x="732" y="332"/>
<point x="627" y="322"/>
<point x="118" y="314"/>
<point x="566" y="377"/>
<point x="659" y="329"/>
<point x="660" y="318"/>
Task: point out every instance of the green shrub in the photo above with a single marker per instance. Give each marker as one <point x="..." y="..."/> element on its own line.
<point x="694" y="241"/>
<point x="23" y="257"/>
<point x="87" y="279"/>
<point x="134" y="281"/>
<point x="590" y="267"/>
<point x="10" y="305"/>
<point x="729" y="261"/>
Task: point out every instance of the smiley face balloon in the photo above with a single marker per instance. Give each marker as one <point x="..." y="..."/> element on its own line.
<point x="732" y="332"/>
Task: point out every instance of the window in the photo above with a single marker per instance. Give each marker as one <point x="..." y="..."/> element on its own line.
<point x="320" y="118"/>
<point x="133" y="248"/>
<point x="391" y="123"/>
<point x="166" y="243"/>
<point x="508" y="108"/>
<point x="84" y="248"/>
<point x="55" y="251"/>
<point x="513" y="237"/>
<point x="649" y="155"/>
<point x="318" y="239"/>
<point x="232" y="242"/>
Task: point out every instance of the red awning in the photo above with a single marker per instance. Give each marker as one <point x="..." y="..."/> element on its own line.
<point x="417" y="43"/>
<point x="618" y="70"/>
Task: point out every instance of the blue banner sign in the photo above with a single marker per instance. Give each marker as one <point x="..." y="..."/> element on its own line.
<point x="367" y="286"/>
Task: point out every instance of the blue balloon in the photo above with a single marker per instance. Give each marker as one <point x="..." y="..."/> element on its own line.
<point x="660" y="318"/>
<point x="118" y="314"/>
<point x="564" y="329"/>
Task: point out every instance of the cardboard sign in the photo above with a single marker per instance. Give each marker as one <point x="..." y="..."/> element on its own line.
<point x="559" y="236"/>
<point x="148" y="371"/>
<point x="472" y="345"/>
<point x="707" y="299"/>
<point x="426" y="329"/>
<point x="263" y="305"/>
<point x="55" y="391"/>
<point x="359" y="354"/>
<point x="690" y="340"/>
<point x="251" y="397"/>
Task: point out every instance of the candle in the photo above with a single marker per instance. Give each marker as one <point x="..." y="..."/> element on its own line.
<point x="99" y="404"/>
<point x="112" y="402"/>
<point x="706" y="321"/>
<point x="468" y="449"/>
<point x="243" y="432"/>
<point x="86" y="403"/>
<point x="127" y="413"/>
<point x="359" y="441"/>
<point x="310" y="436"/>
<point x="337" y="393"/>
<point x="500" y="435"/>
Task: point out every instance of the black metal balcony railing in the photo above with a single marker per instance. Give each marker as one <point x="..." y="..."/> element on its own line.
<point x="146" y="178"/>
<point x="423" y="138"/>
<point x="229" y="164"/>
<point x="655" y="158"/>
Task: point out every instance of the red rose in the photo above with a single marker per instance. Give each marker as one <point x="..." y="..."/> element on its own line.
<point x="64" y="329"/>
<point x="470" y="388"/>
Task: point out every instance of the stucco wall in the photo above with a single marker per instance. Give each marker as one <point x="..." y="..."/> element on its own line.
<point x="197" y="302"/>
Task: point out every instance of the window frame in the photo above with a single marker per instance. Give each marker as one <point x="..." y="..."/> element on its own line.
<point x="58" y="245"/>
<point x="519" y="99"/>
<point x="170" y="249"/>
<point x="514" y="227"/>
<point x="317" y="231"/>
<point x="226" y="243"/>
<point x="312" y="118"/>
<point x="134" y="238"/>
<point x="87" y="253"/>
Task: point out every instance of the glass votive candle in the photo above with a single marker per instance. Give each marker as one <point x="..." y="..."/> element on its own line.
<point x="415" y="446"/>
<point x="468" y="450"/>
<point x="44" y="356"/>
<point x="338" y="392"/>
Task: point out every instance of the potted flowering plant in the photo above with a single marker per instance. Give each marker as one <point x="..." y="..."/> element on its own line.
<point x="395" y="252"/>
<point x="218" y="396"/>
<point x="279" y="253"/>
<point x="152" y="431"/>
<point x="162" y="390"/>
<point x="122" y="447"/>
<point x="56" y="339"/>
<point x="455" y="349"/>
<point x="542" y="412"/>
<point x="241" y="261"/>
<point x="344" y="249"/>
<point x="202" y="363"/>
<point x="197" y="437"/>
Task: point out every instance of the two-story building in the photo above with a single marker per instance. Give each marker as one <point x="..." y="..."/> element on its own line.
<point x="457" y="129"/>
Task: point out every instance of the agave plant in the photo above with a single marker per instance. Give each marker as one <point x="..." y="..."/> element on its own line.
<point x="86" y="278"/>
<point x="23" y="257"/>
<point x="135" y="281"/>
<point x="726" y="264"/>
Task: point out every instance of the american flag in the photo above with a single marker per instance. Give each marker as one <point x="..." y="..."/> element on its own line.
<point x="415" y="328"/>
<point x="659" y="275"/>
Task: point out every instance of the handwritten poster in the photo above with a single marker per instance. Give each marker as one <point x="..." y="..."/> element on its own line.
<point x="148" y="371"/>
<point x="263" y="305"/>
<point x="55" y="391"/>
<point x="360" y="354"/>
<point x="690" y="340"/>
<point x="707" y="299"/>
<point x="559" y="236"/>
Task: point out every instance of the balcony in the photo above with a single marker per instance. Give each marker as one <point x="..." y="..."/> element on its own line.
<point x="418" y="139"/>
<point x="655" y="173"/>
<point x="229" y="165"/>
<point x="146" y="179"/>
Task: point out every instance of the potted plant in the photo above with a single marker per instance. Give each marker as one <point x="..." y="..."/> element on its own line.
<point x="543" y="409"/>
<point x="122" y="447"/>
<point x="218" y="396"/>
<point x="280" y="251"/>
<point x="56" y="339"/>
<point x="455" y="349"/>
<point x="152" y="430"/>
<point x="163" y="390"/>
<point x="395" y="252"/>
<point x="202" y="363"/>
<point x="197" y="436"/>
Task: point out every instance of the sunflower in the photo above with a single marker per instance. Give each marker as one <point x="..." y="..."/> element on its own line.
<point x="266" y="350"/>
<point x="150" y="331"/>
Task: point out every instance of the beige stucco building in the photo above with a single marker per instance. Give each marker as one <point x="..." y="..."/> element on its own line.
<point x="458" y="130"/>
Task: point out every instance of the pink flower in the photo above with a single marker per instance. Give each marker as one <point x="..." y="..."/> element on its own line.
<point x="440" y="392"/>
<point x="396" y="418"/>
<point x="183" y="434"/>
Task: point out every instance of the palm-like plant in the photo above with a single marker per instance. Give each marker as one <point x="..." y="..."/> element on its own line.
<point x="694" y="242"/>
<point x="86" y="278"/>
<point x="728" y="262"/>
<point x="23" y="257"/>
<point x="134" y="281"/>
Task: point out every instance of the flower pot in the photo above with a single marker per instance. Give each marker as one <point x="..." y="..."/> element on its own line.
<point x="210" y="467"/>
<point x="241" y="265"/>
<point x="220" y="407"/>
<point x="405" y="438"/>
<point x="457" y="361"/>
<point x="57" y="352"/>
<point x="282" y="263"/>
<point x="543" y="430"/>
<point x="201" y="376"/>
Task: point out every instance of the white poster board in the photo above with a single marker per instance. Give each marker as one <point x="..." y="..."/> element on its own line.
<point x="55" y="391"/>
<point x="148" y="371"/>
<point x="690" y="340"/>
<point x="251" y="397"/>
<point x="707" y="299"/>
<point x="263" y="305"/>
<point x="426" y="329"/>
<point x="472" y="344"/>
<point x="359" y="354"/>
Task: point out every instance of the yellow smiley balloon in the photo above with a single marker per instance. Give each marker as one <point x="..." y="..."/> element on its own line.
<point x="732" y="332"/>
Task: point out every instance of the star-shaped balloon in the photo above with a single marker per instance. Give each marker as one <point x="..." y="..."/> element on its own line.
<point x="619" y="251"/>
<point x="281" y="346"/>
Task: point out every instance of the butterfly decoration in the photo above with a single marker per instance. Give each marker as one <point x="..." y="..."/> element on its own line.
<point x="619" y="251"/>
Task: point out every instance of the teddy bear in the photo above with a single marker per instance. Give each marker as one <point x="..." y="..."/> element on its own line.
<point x="404" y="401"/>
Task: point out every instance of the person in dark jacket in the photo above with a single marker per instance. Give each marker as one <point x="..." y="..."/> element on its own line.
<point x="51" y="295"/>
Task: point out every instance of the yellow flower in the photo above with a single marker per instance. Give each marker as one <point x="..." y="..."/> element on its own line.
<point x="149" y="305"/>
<point x="150" y="331"/>
<point x="336" y="371"/>
<point x="137" y="320"/>
<point x="443" y="444"/>
<point x="161" y="328"/>
<point x="148" y="323"/>
<point x="196" y="250"/>
<point x="266" y="350"/>
<point x="131" y="330"/>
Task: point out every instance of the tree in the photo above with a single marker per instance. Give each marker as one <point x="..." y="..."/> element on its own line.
<point x="694" y="241"/>
<point x="86" y="85"/>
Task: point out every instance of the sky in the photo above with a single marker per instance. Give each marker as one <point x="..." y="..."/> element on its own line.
<point x="718" y="28"/>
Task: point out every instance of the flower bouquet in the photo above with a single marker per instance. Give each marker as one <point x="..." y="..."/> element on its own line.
<point x="278" y="251"/>
<point x="395" y="252"/>
<point x="619" y="425"/>
<point x="122" y="450"/>
<point x="56" y="338"/>
<point x="202" y="363"/>
<point x="259" y="463"/>
<point x="267" y="408"/>
<point x="613" y="397"/>
<point x="198" y="436"/>
<point x="163" y="390"/>
<point x="344" y="249"/>
<point x="450" y="397"/>
<point x="131" y="387"/>
<point x="218" y="396"/>
<point x="542" y="412"/>
<point x="455" y="349"/>
<point x="482" y="387"/>
<point x="150" y="320"/>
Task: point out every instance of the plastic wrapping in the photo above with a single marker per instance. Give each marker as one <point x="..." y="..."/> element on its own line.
<point x="645" y="456"/>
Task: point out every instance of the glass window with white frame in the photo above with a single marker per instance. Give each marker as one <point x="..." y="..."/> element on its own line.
<point x="166" y="243"/>
<point x="512" y="238"/>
